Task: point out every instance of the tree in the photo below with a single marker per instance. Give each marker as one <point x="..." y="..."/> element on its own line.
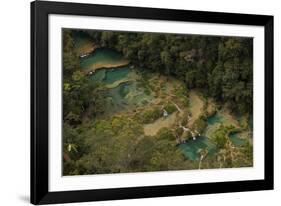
<point x="220" y="136"/>
<point x="235" y="60"/>
<point x="166" y="59"/>
<point x="220" y="66"/>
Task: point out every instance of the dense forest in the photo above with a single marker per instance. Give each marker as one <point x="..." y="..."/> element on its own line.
<point x="220" y="68"/>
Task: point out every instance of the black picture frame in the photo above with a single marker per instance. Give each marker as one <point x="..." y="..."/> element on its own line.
<point x="39" y="102"/>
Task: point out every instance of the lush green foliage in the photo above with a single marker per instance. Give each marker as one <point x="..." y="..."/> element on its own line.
<point x="221" y="66"/>
<point x="151" y="115"/>
<point x="118" y="145"/>
<point x="200" y="124"/>
<point x="78" y="93"/>
<point x="220" y="137"/>
<point x="170" y="108"/>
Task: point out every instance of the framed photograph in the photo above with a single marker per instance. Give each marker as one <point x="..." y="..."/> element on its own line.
<point x="133" y="102"/>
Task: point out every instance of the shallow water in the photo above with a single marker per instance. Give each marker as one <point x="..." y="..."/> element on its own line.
<point x="98" y="76"/>
<point x="109" y="76"/>
<point x="214" y="119"/>
<point x="113" y="75"/>
<point x="123" y="92"/>
<point x="128" y="95"/>
<point x="116" y="98"/>
<point x="101" y="56"/>
<point x="191" y="148"/>
<point x="220" y="118"/>
<point x="237" y="140"/>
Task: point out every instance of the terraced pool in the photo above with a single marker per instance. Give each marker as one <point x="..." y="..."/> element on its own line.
<point x="123" y="91"/>
<point x="125" y="95"/>
<point x="191" y="147"/>
<point x="102" y="58"/>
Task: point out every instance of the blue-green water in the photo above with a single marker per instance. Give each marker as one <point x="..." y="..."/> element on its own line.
<point x="101" y="56"/>
<point x="237" y="140"/>
<point x="214" y="119"/>
<point x="99" y="76"/>
<point x="116" y="100"/>
<point x="109" y="76"/>
<point x="113" y="75"/>
<point x="125" y="95"/>
<point x="191" y="148"/>
<point x="218" y="119"/>
<point x="128" y="95"/>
